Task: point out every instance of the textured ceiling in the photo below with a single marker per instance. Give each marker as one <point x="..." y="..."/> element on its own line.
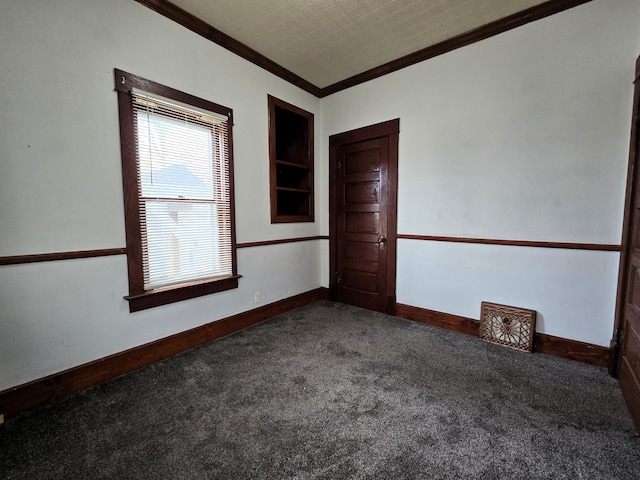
<point x="326" y="41"/>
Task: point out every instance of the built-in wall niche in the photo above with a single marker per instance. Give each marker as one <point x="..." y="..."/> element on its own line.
<point x="291" y="162"/>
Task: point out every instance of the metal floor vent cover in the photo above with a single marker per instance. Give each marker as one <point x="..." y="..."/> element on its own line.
<point x="508" y="326"/>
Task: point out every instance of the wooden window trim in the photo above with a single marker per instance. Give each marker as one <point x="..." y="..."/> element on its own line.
<point x="138" y="298"/>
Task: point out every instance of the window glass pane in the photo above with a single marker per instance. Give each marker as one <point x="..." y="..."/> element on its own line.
<point x="185" y="241"/>
<point x="175" y="158"/>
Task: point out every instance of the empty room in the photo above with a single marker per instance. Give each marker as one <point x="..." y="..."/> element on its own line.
<point x="340" y="239"/>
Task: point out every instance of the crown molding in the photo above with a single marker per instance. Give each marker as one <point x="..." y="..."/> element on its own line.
<point x="178" y="15"/>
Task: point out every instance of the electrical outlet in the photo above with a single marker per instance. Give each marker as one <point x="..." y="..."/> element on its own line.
<point x="257" y="297"/>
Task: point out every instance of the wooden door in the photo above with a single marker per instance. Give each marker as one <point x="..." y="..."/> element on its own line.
<point x="627" y="338"/>
<point x="363" y="177"/>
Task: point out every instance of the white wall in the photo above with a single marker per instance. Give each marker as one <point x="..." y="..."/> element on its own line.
<point x="523" y="136"/>
<point x="61" y="184"/>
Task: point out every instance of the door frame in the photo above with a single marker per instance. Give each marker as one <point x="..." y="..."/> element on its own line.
<point x="391" y="130"/>
<point x="631" y="202"/>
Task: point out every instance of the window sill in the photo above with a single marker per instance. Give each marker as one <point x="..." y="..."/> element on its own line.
<point x="177" y="293"/>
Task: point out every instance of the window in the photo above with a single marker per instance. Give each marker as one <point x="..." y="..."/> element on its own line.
<point x="178" y="193"/>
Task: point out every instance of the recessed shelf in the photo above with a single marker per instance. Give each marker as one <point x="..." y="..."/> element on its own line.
<point x="293" y="205"/>
<point x="291" y="162"/>
<point x="293" y="165"/>
<point x="298" y="190"/>
<point x="288" y="176"/>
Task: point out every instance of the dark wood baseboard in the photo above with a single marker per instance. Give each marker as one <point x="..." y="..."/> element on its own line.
<point x="39" y="392"/>
<point x="572" y="349"/>
<point x="324" y="293"/>
<point x="542" y="343"/>
<point x="438" y="319"/>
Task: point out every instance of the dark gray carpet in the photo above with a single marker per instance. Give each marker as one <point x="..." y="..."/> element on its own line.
<point x="330" y="391"/>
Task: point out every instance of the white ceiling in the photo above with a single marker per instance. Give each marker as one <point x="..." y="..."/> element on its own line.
<point x="326" y="41"/>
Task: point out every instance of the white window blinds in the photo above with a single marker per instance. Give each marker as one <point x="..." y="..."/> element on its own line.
<point x="183" y="177"/>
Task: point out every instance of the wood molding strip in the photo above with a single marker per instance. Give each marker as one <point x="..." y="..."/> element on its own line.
<point x="542" y="343"/>
<point x="202" y="28"/>
<point x="211" y="33"/>
<point x="49" y="257"/>
<point x="516" y="243"/>
<point x="496" y="27"/>
<point x="39" y="392"/>
<point x="281" y="240"/>
<point x="105" y="252"/>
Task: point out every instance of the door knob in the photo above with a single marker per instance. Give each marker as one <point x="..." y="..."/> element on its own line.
<point x="382" y="242"/>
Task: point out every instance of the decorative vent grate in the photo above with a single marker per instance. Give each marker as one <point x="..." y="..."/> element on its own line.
<point x="509" y="326"/>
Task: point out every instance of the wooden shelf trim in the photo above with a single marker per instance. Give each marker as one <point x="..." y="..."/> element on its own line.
<point x="294" y="190"/>
<point x="542" y="343"/>
<point x="293" y="164"/>
<point x="50" y="257"/>
<point x="291" y="151"/>
<point x="516" y="243"/>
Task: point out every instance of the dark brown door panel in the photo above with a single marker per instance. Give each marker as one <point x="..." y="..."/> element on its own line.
<point x="626" y="341"/>
<point x="363" y="202"/>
